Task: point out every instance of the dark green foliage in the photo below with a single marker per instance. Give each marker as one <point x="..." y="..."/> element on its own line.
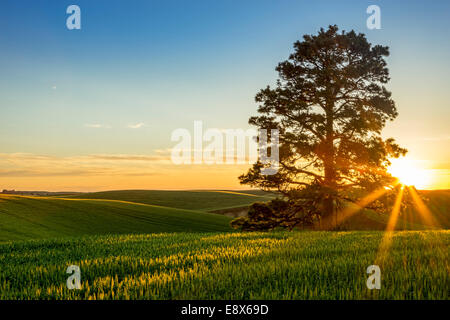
<point x="301" y="208"/>
<point x="265" y="216"/>
<point x="329" y="105"/>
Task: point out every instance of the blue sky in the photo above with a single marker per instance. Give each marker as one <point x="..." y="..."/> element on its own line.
<point x="164" y="64"/>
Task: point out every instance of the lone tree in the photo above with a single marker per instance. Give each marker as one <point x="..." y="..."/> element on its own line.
<point x="330" y="106"/>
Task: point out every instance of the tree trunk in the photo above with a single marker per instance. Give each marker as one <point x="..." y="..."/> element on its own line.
<point x="330" y="174"/>
<point x="328" y="205"/>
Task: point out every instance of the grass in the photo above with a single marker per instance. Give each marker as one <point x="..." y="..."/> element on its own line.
<point x="191" y="200"/>
<point x="279" y="265"/>
<point x="140" y="211"/>
<point x="24" y="218"/>
<point x="164" y="245"/>
<point x="219" y="201"/>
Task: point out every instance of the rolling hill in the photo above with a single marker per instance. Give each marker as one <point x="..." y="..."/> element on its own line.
<point x="24" y="217"/>
<point x="437" y="203"/>
<point x="192" y="200"/>
<point x="152" y="211"/>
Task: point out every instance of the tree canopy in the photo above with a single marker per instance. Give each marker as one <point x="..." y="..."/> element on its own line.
<point x="330" y="106"/>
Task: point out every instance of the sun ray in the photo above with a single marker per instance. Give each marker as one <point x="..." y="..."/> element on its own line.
<point x="350" y="210"/>
<point x="392" y="222"/>
<point x="386" y="242"/>
<point x="353" y="208"/>
<point x="424" y="212"/>
<point x="409" y="220"/>
<point x="409" y="172"/>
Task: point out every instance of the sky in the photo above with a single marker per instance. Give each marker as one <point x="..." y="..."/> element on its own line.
<point x="94" y="109"/>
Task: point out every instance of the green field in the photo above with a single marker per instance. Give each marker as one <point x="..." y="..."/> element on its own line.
<point x="139" y="211"/>
<point x="45" y="217"/>
<point x="438" y="201"/>
<point x="118" y="212"/>
<point x="283" y="265"/>
<point x="193" y="200"/>
<point x="166" y="245"/>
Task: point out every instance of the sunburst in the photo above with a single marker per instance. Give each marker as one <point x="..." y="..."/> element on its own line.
<point x="409" y="173"/>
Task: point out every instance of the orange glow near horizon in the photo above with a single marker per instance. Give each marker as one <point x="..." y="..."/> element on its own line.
<point x="409" y="173"/>
<point x="22" y="171"/>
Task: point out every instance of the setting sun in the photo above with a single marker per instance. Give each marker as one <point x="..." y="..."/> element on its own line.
<point x="409" y="173"/>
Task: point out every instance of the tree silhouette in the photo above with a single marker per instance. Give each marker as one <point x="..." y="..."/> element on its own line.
<point x="330" y="106"/>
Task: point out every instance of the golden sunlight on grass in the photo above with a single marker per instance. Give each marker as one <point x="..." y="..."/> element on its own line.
<point x="409" y="173"/>
<point x="425" y="214"/>
<point x="389" y="233"/>
<point x="395" y="211"/>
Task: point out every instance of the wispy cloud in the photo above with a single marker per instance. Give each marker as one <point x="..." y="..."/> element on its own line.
<point x="79" y="173"/>
<point x="38" y="173"/>
<point x="128" y="157"/>
<point x="34" y="165"/>
<point x="136" y="126"/>
<point x="97" y="125"/>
